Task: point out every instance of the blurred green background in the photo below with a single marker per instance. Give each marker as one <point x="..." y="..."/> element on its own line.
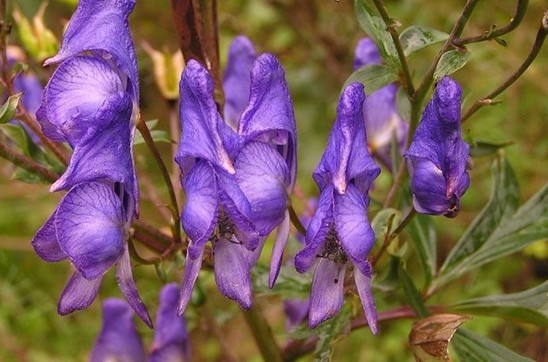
<point x="315" y="42"/>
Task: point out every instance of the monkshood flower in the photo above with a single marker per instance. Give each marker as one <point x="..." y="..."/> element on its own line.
<point x="437" y="157"/>
<point x="171" y="340"/>
<point x="382" y="120"/>
<point x="339" y="233"/>
<point x="119" y="340"/>
<point x="91" y="102"/>
<point x="237" y="183"/>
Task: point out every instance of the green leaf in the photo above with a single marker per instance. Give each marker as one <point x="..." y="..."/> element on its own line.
<point x="8" y="109"/>
<point x="418" y="37"/>
<point x="450" y="62"/>
<point x="499" y="230"/>
<point x="483" y="148"/>
<point x="423" y="234"/>
<point x="157" y="135"/>
<point x="528" y="306"/>
<point x="329" y="332"/>
<point x="29" y="177"/>
<point x="384" y="222"/>
<point x="412" y="294"/>
<point x="471" y="347"/>
<point x="375" y="27"/>
<point x="290" y="283"/>
<point x="373" y="77"/>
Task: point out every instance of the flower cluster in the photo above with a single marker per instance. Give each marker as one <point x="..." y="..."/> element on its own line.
<point x="238" y="174"/>
<point x="91" y="102"/>
<point x="119" y="340"/>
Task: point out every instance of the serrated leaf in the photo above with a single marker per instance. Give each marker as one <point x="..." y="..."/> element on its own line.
<point x="499" y="230"/>
<point x="471" y="347"/>
<point x="450" y="62"/>
<point x="373" y="77"/>
<point x="385" y="221"/>
<point x="528" y="306"/>
<point x="8" y="109"/>
<point x="289" y="284"/>
<point x="29" y="177"/>
<point x="413" y="297"/>
<point x="328" y="332"/>
<point x="418" y="37"/>
<point x="482" y="148"/>
<point x="375" y="27"/>
<point x="423" y="234"/>
<point x="429" y="337"/>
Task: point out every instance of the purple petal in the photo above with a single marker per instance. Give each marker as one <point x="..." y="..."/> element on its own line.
<point x="200" y="121"/>
<point x="278" y="252"/>
<point x="232" y="272"/>
<point x="354" y="230"/>
<point x="31" y="87"/>
<point x="90" y="228"/>
<point x="438" y="140"/>
<point x="326" y="296"/>
<point x="45" y="242"/>
<point x="263" y="177"/>
<point x="199" y="216"/>
<point x="428" y="185"/>
<point x="171" y="341"/>
<point x="78" y="294"/>
<point x="363" y="285"/>
<point x="237" y="79"/>
<point x="295" y="311"/>
<point x="101" y="26"/>
<point x="366" y="53"/>
<point x="320" y="226"/>
<point x="106" y="155"/>
<point x="124" y="277"/>
<point x="118" y="339"/>
<point x="192" y="269"/>
<point x="346" y="157"/>
<point x="80" y="88"/>
<point x="269" y="115"/>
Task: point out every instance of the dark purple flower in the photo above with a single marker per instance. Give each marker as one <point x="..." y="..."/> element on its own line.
<point x="91" y="102"/>
<point x="118" y="339"/>
<point x="339" y="231"/>
<point x="171" y="341"/>
<point x="382" y="120"/>
<point x="237" y="183"/>
<point x="437" y="158"/>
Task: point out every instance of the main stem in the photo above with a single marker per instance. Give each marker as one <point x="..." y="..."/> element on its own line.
<point x="263" y="335"/>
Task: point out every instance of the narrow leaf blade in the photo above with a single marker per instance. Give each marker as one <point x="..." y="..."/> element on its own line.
<point x="373" y="77"/>
<point x="416" y="38"/>
<point x="450" y="62"/>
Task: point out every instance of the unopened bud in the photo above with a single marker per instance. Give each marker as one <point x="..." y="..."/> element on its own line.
<point x="37" y="39"/>
<point x="167" y="70"/>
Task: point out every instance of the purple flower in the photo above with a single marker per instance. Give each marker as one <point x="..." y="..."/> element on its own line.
<point x="118" y="339"/>
<point x="437" y="157"/>
<point x="90" y="102"/>
<point x="382" y="120"/>
<point x="339" y="231"/>
<point x="171" y="341"/>
<point x="237" y="183"/>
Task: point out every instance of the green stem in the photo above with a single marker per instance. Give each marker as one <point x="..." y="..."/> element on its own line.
<point x="407" y="82"/>
<point x="422" y="89"/>
<point x="295" y="221"/>
<point x="539" y="41"/>
<point x="395" y="185"/>
<point x="263" y="335"/>
<point x="393" y="235"/>
<point x="488" y="35"/>
<point x="176" y="222"/>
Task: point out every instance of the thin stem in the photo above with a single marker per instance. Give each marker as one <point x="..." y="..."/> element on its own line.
<point x="295" y="221"/>
<point x="263" y="335"/>
<point x="27" y="163"/>
<point x="175" y="135"/>
<point x="457" y="30"/>
<point x="175" y="226"/>
<point x="539" y="41"/>
<point x="151" y="236"/>
<point x="521" y="8"/>
<point x="407" y="83"/>
<point x="392" y="235"/>
<point x="395" y="185"/>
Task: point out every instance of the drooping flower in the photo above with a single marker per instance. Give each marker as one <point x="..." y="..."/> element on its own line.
<point x="119" y="340"/>
<point x="91" y="102"/>
<point x="237" y="183"/>
<point x="437" y="158"/>
<point x="382" y="119"/>
<point x="339" y="233"/>
<point x="171" y="340"/>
